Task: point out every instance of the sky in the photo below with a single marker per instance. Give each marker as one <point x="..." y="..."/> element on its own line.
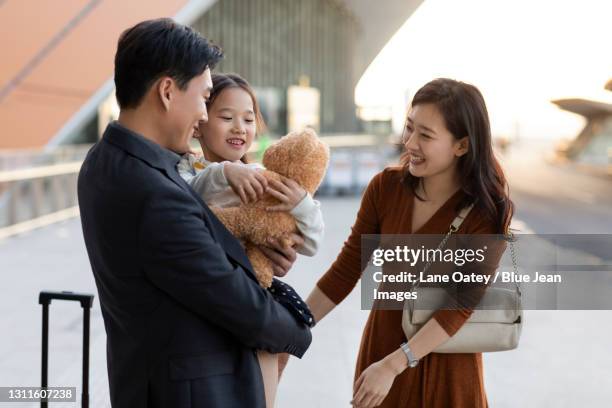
<point x="519" y="53"/>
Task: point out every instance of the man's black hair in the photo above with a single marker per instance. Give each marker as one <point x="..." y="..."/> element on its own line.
<point x="155" y="48"/>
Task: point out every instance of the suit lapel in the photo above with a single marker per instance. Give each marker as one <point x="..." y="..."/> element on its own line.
<point x="220" y="233"/>
<point x="230" y="244"/>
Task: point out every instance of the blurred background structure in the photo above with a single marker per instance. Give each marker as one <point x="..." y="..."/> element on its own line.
<point x="347" y="68"/>
<point x="593" y="145"/>
<point x="56" y="81"/>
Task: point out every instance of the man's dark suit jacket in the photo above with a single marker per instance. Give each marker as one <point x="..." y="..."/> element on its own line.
<point x="183" y="312"/>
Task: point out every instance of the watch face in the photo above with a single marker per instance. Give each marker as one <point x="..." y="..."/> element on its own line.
<point x="413" y="363"/>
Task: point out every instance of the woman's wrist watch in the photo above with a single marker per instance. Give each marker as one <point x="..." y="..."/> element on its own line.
<point x="412" y="360"/>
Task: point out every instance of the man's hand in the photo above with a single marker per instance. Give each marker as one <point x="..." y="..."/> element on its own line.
<point x="282" y="257"/>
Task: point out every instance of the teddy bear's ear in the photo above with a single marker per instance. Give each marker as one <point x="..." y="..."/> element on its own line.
<point x="300" y="156"/>
<point x="266" y="156"/>
<point x="277" y="156"/>
<point x="310" y="159"/>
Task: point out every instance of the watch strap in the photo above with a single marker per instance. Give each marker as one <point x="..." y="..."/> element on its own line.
<point x="412" y="360"/>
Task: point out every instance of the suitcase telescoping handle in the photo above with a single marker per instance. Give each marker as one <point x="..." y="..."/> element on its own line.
<point x="86" y="301"/>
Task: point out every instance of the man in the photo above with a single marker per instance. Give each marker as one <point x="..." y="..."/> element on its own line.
<point x="181" y="306"/>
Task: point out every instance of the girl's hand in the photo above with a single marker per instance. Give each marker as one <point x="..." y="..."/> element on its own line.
<point x="249" y="184"/>
<point x="288" y="192"/>
<point x="373" y="385"/>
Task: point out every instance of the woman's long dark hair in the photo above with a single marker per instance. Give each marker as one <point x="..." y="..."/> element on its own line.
<point x="482" y="179"/>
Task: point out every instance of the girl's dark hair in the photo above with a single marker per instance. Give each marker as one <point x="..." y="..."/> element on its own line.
<point x="155" y="48"/>
<point x="482" y="179"/>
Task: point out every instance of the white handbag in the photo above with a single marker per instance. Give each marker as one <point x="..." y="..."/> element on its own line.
<point x="485" y="330"/>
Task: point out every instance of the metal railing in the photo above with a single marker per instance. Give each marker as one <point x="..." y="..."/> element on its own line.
<point x="18" y="159"/>
<point x="38" y="188"/>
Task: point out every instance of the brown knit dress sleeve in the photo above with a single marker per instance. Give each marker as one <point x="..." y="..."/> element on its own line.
<point x="346" y="271"/>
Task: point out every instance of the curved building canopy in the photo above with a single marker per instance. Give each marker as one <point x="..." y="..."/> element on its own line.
<point x="57" y="60"/>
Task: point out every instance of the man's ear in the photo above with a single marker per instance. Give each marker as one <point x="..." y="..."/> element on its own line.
<point x="165" y="91"/>
<point x="462" y="146"/>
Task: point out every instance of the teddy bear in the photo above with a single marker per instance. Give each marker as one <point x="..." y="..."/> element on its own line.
<point x="300" y="156"/>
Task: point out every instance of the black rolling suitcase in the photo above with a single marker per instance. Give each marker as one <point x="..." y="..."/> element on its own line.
<point x="86" y="301"/>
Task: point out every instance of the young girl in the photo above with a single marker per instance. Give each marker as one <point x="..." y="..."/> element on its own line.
<point x="448" y="165"/>
<point x="224" y="178"/>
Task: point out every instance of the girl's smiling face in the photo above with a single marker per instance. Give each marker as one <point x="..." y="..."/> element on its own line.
<point x="231" y="126"/>
<point x="432" y="148"/>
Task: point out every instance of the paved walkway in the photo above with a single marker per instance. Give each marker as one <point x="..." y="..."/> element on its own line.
<point x="564" y="359"/>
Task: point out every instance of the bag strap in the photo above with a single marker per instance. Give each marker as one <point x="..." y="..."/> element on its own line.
<point x="454" y="227"/>
<point x="460" y="218"/>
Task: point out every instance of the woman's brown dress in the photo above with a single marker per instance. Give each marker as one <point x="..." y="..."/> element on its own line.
<point x="439" y="380"/>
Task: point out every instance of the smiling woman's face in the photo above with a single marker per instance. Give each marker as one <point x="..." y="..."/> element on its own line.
<point x="432" y="148"/>
<point x="231" y="126"/>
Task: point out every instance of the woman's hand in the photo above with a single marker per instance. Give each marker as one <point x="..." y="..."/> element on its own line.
<point x="288" y="192"/>
<point x="249" y="184"/>
<point x="282" y="257"/>
<point x="373" y="385"/>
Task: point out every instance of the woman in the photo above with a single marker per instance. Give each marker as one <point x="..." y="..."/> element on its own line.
<point x="448" y="164"/>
